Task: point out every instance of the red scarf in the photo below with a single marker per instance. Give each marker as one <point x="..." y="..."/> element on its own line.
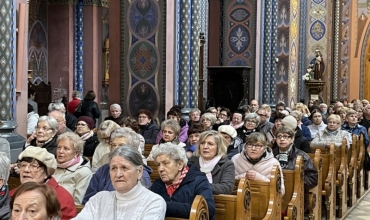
<point x="172" y="188"/>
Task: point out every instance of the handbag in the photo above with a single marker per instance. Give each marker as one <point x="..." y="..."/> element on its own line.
<point x="78" y="110"/>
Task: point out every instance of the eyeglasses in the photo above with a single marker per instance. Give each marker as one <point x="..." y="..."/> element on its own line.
<point x="31" y="166"/>
<point x="262" y="115"/>
<point x="223" y="115"/>
<point x="255" y="146"/>
<point x="206" y="119"/>
<point x="37" y="128"/>
<point x="142" y="117"/>
<point x="283" y="137"/>
<point x="250" y="122"/>
<point x="81" y="124"/>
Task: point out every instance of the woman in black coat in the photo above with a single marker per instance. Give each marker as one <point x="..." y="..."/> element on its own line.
<point x="148" y="129"/>
<point x="88" y="107"/>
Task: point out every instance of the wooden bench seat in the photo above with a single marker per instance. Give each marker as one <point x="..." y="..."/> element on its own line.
<point x="154" y="175"/>
<point x="147" y="149"/>
<point x="360" y="165"/>
<point x="199" y="209"/>
<point x="314" y="199"/>
<point x="293" y="199"/>
<point x="14" y="182"/>
<point x="266" y="197"/>
<point x="237" y="206"/>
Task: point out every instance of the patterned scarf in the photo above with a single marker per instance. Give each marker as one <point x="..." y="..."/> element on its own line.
<point x="87" y="135"/>
<point x="172" y="187"/>
<point x="282" y="157"/>
<point x="2" y="192"/>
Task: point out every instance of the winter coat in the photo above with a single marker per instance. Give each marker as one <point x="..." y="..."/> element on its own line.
<point x="305" y="132"/>
<point x="101" y="181"/>
<point x="263" y="167"/>
<point x="183" y="136"/>
<point x="71" y="121"/>
<point x="90" y="145"/>
<point x="4" y="205"/>
<point x="243" y="133"/>
<point x="149" y="132"/>
<point x="265" y="127"/>
<point x="32" y="119"/>
<point x="299" y="141"/>
<point x="310" y="172"/>
<point x="314" y="129"/>
<point x="357" y="130"/>
<point x="67" y="205"/>
<point x="75" y="179"/>
<point x="117" y="120"/>
<point x="306" y="121"/>
<point x="235" y="147"/>
<point x="364" y="122"/>
<point x="72" y="105"/>
<point x="223" y="180"/>
<point x="336" y="137"/>
<point x="51" y="146"/>
<point x="179" y="204"/>
<point x="89" y="108"/>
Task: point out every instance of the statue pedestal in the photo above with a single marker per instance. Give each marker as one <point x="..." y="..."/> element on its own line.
<point x="315" y="87"/>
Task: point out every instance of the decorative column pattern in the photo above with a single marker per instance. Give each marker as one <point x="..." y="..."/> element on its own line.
<point x="336" y="60"/>
<point x="345" y="40"/>
<point x="7" y="60"/>
<point x="293" y="56"/>
<point x="79" y="45"/>
<point x="302" y="49"/>
<point x="143" y="57"/>
<point x="194" y="59"/>
<point x="204" y="7"/>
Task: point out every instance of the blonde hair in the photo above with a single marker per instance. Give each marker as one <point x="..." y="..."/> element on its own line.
<point x="219" y="140"/>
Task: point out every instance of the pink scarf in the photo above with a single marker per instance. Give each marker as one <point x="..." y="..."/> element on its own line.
<point x="87" y="135"/>
<point x="76" y="159"/>
<point x="208" y="166"/>
<point x="236" y="126"/>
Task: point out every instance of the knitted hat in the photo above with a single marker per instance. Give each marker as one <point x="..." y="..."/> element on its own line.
<point x="227" y="129"/>
<point x="42" y="155"/>
<point x="289" y="122"/>
<point x="89" y="121"/>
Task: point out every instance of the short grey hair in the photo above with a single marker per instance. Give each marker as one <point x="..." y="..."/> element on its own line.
<point x="174" y="151"/>
<point x="74" y="139"/>
<point x="105" y="129"/>
<point x="76" y="94"/>
<point x="194" y="110"/>
<point x="173" y="124"/>
<point x="115" y="105"/>
<point x="52" y="122"/>
<point x="132" y="137"/>
<point x="56" y="106"/>
<point x="254" y="116"/>
<point x="129" y="153"/>
<point x="4" y="167"/>
<point x="323" y="105"/>
<point x="59" y="113"/>
<point x="209" y="116"/>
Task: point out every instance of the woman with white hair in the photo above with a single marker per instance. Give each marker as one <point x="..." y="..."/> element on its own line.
<point x="208" y="120"/>
<point x="116" y="113"/>
<point x="73" y="170"/>
<point x="4" y="190"/>
<point x="71" y="120"/>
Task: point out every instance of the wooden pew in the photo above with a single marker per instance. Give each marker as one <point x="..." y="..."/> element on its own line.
<point x="314" y="200"/>
<point x="155" y="174"/>
<point x="237" y="206"/>
<point x="367" y="173"/>
<point x="328" y="179"/>
<point x="14" y="182"/>
<point x="360" y="165"/>
<point x="147" y="149"/>
<point x="266" y="197"/>
<point x="293" y="199"/>
<point x="199" y="210"/>
<point x="352" y="172"/>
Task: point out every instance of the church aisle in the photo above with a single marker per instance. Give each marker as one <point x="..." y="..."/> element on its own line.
<point x="361" y="210"/>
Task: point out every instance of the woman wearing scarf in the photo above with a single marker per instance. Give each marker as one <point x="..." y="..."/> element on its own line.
<point x="251" y="122"/>
<point x="256" y="160"/>
<point x="211" y="158"/>
<point x="237" y="122"/>
<point x="179" y="184"/>
<point x="286" y="153"/>
<point x="170" y="129"/>
<point x="73" y="172"/>
<point x="84" y="128"/>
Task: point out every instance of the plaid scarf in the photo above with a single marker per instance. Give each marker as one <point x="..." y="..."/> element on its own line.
<point x="172" y="188"/>
<point x="282" y="157"/>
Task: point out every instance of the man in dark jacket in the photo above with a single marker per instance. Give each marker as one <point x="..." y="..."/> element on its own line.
<point x="116" y="113"/>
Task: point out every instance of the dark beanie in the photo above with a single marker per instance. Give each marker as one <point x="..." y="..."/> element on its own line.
<point x="89" y="121"/>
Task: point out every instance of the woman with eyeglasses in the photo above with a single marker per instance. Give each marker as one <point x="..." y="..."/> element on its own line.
<point x="360" y="117"/>
<point x="286" y="153"/>
<point x="251" y="122"/>
<point x="85" y="129"/>
<point x="73" y="169"/>
<point x="148" y="128"/>
<point x="331" y="134"/>
<point x="256" y="160"/>
<point x="37" y="165"/>
<point x="208" y="120"/>
<point x="223" y="118"/>
<point x="45" y="134"/>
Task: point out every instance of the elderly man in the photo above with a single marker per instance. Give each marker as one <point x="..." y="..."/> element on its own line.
<point x="254" y="105"/>
<point x="60" y="117"/>
<point x="265" y="126"/>
<point x="71" y="120"/>
<point x="116" y="113"/>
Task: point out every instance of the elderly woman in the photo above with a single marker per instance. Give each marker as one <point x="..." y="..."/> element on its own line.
<point x="270" y="136"/>
<point x="179" y="184"/>
<point x="256" y="160"/>
<point x="208" y="120"/>
<point x="148" y="129"/>
<point x="286" y="153"/>
<point x="251" y="122"/>
<point x="45" y="134"/>
<point x="170" y="129"/>
<point x="194" y="116"/>
<point x="353" y="127"/>
<point x="100" y="180"/>
<point x="175" y="114"/>
<point x="35" y="201"/>
<point x="73" y="170"/>
<point x="332" y="134"/>
<point x="84" y="129"/>
<point x="103" y="133"/>
<point x="116" y="113"/>
<point x="304" y="129"/>
<point x="4" y="190"/>
<point x="234" y="144"/>
<point x="36" y="164"/>
<point x="342" y="111"/>
<point x="211" y="158"/>
<point x="129" y="200"/>
<point x="131" y="122"/>
<point x="317" y="123"/>
<point x="223" y="118"/>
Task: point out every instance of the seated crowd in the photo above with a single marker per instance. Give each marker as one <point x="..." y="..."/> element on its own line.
<point x="103" y="167"/>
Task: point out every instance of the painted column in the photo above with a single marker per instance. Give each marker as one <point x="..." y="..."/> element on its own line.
<point x="302" y="50"/>
<point x="79" y="47"/>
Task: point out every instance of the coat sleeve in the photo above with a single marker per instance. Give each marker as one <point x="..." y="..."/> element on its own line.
<point x="227" y="180"/>
<point x="95" y="111"/>
<point x="5" y="147"/>
<point x="310" y="173"/>
<point x="183" y="136"/>
<point x="67" y="205"/>
<point x="90" y="209"/>
<point x="159" y="137"/>
<point x="93" y="187"/>
<point x="81" y="184"/>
